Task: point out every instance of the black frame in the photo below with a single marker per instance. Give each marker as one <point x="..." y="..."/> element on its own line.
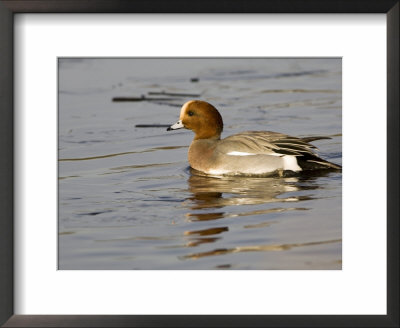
<point x="7" y="10"/>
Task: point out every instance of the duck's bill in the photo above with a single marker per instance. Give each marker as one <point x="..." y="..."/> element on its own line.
<point x="177" y="125"/>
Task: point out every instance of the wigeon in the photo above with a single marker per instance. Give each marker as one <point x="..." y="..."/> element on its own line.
<point x="245" y="153"/>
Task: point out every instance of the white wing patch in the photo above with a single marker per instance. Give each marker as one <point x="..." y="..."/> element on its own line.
<point x="290" y="163"/>
<point x="239" y="153"/>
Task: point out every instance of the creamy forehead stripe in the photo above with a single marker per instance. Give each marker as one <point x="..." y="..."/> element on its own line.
<point x="240" y="153"/>
<point x="185" y="105"/>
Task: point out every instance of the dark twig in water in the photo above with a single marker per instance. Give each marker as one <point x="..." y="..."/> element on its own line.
<point x="152" y="126"/>
<point x="120" y="99"/>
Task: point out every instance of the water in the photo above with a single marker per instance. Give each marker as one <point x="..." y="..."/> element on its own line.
<point x="129" y="200"/>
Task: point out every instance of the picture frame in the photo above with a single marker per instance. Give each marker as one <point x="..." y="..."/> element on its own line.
<point x="7" y="10"/>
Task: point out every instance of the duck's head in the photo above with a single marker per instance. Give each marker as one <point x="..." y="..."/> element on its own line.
<point x="200" y="117"/>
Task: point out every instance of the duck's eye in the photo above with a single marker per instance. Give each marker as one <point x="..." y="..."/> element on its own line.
<point x="190" y="113"/>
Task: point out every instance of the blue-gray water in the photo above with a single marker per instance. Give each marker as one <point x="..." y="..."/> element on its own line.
<point x="128" y="200"/>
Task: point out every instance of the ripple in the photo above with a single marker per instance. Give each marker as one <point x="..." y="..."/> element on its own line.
<point x="221" y="215"/>
<point x="207" y="232"/>
<point x="304" y="103"/>
<point x="68" y="177"/>
<point x="301" y="91"/>
<point x="119" y="154"/>
<point x="122" y="169"/>
<point x="260" y="248"/>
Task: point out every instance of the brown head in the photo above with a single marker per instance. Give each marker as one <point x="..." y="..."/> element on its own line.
<point x="200" y="117"/>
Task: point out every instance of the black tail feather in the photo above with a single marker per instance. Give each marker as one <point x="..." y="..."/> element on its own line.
<point x="310" y="139"/>
<point x="315" y="163"/>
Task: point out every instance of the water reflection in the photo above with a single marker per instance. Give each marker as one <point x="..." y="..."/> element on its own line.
<point x="259" y="248"/>
<point x="276" y="193"/>
<point x="218" y="192"/>
<point x="196" y="240"/>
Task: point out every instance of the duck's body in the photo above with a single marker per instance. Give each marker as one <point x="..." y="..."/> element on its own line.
<point x="246" y="153"/>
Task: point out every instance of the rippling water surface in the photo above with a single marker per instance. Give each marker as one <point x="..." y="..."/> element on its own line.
<point x="129" y="200"/>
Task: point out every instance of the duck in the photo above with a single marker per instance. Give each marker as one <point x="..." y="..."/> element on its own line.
<point x="246" y="153"/>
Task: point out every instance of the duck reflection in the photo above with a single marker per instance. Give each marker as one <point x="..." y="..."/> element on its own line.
<point x="197" y="240"/>
<point x="218" y="192"/>
<point x="209" y="195"/>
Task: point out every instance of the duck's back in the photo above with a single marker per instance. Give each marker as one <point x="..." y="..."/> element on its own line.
<point x="257" y="152"/>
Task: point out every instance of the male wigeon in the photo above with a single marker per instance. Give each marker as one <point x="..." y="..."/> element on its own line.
<point x="245" y="153"/>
